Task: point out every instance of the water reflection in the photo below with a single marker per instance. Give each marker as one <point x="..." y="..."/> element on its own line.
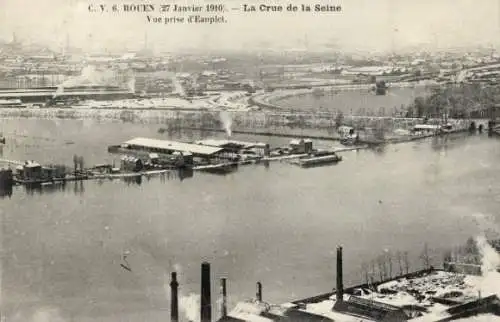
<point x="380" y="150"/>
<point x="449" y="141"/>
<point x="5" y="191"/>
<point x="32" y="189"/>
<point x="133" y="180"/>
<point x="78" y="187"/>
<point x="179" y="174"/>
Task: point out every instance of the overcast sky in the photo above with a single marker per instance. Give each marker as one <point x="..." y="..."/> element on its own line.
<point x="368" y="25"/>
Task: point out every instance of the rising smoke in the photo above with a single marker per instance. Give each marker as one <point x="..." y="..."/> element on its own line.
<point x="178" y="86"/>
<point x="489" y="284"/>
<point x="91" y="76"/>
<point x="189" y="305"/>
<point x="227" y="122"/>
<point x="131" y="85"/>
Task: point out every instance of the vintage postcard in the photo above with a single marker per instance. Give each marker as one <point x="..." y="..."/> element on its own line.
<point x="231" y="160"/>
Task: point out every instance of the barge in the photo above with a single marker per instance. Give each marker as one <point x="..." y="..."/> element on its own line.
<point x="319" y="158"/>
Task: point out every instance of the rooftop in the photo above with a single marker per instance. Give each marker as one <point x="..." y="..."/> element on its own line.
<point x="174" y="146"/>
<point x="429" y="296"/>
<point x="223" y="143"/>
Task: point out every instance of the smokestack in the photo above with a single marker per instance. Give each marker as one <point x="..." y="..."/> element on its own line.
<point x="206" y="301"/>
<point x="224" y="297"/>
<point x="340" y="286"/>
<point x="259" y="292"/>
<point x="174" y="302"/>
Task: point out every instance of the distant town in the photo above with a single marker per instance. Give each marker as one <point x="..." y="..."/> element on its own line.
<point x="29" y="66"/>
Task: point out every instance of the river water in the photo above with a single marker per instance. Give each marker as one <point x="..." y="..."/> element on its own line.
<point x="62" y="249"/>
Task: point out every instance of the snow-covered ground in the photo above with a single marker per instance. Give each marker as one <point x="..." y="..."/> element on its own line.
<point x="235" y="101"/>
<point x="400" y="293"/>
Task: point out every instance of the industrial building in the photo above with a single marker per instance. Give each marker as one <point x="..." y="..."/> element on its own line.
<point x="169" y="147"/>
<point x="237" y="146"/>
<point x="42" y="95"/>
<point x="428" y="295"/>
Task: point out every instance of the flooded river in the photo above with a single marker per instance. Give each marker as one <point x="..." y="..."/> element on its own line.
<point x="62" y="250"/>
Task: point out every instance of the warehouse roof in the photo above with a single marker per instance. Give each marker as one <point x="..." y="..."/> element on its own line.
<point x="174" y="146"/>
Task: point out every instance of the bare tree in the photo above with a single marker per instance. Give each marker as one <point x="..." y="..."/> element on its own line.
<point x="425" y="256"/>
<point x="381" y="267"/>
<point x="388" y="256"/>
<point x="75" y="163"/>
<point x="372" y="270"/>
<point x="339" y="119"/>
<point x="364" y="271"/>
<point x="447" y="256"/>
<point x="406" y="262"/>
<point x="399" y="257"/>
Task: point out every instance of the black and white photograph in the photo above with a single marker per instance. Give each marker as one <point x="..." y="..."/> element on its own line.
<point x="260" y="161"/>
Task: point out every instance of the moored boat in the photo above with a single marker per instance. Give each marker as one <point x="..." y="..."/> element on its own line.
<point x="311" y="161"/>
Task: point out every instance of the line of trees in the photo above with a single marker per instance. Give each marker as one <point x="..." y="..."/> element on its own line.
<point x="391" y="264"/>
<point x="385" y="266"/>
<point x="466" y="254"/>
<point x="456" y="101"/>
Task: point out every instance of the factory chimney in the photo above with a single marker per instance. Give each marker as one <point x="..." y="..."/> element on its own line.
<point x="224" y="297"/>
<point x="206" y="301"/>
<point x="174" y="302"/>
<point x="259" y="292"/>
<point x="340" y="286"/>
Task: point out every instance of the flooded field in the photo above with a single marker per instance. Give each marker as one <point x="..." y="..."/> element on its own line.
<point x="62" y="249"/>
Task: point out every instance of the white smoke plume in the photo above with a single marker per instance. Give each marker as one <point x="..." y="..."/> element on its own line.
<point x="227" y="122"/>
<point x="178" y="86"/>
<point x="189" y="305"/>
<point x="88" y="76"/>
<point x="489" y="283"/>
<point x="131" y="85"/>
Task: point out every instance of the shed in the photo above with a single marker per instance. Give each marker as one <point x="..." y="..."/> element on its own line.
<point x="301" y="146"/>
<point x="130" y="163"/>
<point x="32" y="170"/>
